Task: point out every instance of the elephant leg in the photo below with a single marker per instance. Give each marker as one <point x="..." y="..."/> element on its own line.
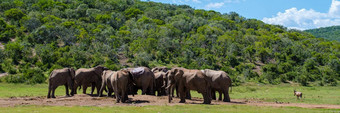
<point x="101" y="89"/>
<point x="226" y="95"/>
<point x="177" y="92"/>
<point x="163" y="91"/>
<point x="151" y="88"/>
<point x="84" y="89"/>
<point x="182" y="97"/>
<point x="188" y="95"/>
<point x="66" y="88"/>
<point x="220" y="95"/>
<point x="117" y="96"/>
<point x="206" y="97"/>
<point x="213" y="94"/>
<point x="182" y="94"/>
<point x="49" y="91"/>
<point x="92" y="88"/>
<point x="109" y="94"/>
<point x="75" y="86"/>
<point x="53" y="90"/>
<point x="144" y="89"/>
<point x="124" y="96"/>
<point x="173" y="92"/>
<point x="98" y="87"/>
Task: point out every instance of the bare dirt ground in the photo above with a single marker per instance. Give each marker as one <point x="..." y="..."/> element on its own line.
<point x="138" y="100"/>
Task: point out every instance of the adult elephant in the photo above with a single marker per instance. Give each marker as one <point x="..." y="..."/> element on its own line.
<point x="89" y="77"/>
<point x="143" y="79"/>
<point x="159" y="83"/>
<point x="121" y="82"/>
<point x="187" y="80"/>
<point x="160" y="80"/>
<point x="61" y="77"/>
<point x="220" y="82"/>
<point x="106" y="83"/>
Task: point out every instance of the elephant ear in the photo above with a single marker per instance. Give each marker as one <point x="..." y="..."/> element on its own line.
<point x="98" y="70"/>
<point x="178" y="72"/>
<point x="126" y="72"/>
<point x="104" y="73"/>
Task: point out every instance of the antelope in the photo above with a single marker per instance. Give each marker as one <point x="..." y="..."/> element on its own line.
<point x="297" y="94"/>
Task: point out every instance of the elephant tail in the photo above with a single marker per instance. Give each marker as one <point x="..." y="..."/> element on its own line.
<point x="231" y="85"/>
<point x="116" y="85"/>
<point x="49" y="79"/>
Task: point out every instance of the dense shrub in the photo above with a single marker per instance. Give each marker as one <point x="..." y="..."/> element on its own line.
<point x="14" y="13"/>
<point x="6" y="31"/>
<point x="42" y="35"/>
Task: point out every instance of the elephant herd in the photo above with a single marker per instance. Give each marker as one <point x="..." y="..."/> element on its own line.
<point x="159" y="80"/>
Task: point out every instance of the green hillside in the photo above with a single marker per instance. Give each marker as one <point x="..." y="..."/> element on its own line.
<point x="330" y="33"/>
<point x="42" y="35"/>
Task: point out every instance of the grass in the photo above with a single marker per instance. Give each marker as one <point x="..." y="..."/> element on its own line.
<point x="284" y="93"/>
<point x="164" y="109"/>
<point x="270" y="93"/>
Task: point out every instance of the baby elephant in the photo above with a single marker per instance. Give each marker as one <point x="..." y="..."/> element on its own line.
<point x="61" y="77"/>
<point x="298" y="94"/>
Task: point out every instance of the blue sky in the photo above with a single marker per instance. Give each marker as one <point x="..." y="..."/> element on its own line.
<point x="298" y="14"/>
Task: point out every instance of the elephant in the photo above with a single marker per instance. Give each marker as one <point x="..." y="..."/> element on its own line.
<point x="59" y="77"/>
<point x="160" y="80"/>
<point x="187" y="80"/>
<point x="159" y="69"/>
<point x="106" y="82"/>
<point x="142" y="78"/>
<point x="220" y="83"/>
<point x="159" y="83"/>
<point x="86" y="77"/>
<point x="121" y="81"/>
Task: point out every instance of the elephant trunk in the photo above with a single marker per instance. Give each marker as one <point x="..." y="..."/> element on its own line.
<point x="170" y="92"/>
<point x="164" y="84"/>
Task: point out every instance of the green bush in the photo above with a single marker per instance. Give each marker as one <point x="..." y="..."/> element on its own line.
<point x="18" y="78"/>
<point x="6" y="31"/>
<point x="8" y="66"/>
<point x="28" y="76"/>
<point x="14" y="13"/>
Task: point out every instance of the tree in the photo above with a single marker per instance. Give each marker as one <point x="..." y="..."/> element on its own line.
<point x="14" y="13"/>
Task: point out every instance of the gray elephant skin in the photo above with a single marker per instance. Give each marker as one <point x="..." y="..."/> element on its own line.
<point x="187" y="80"/>
<point x="159" y="83"/>
<point x="121" y="82"/>
<point x="220" y="83"/>
<point x="61" y="77"/>
<point x="106" y="83"/>
<point x="143" y="79"/>
<point x="89" y="77"/>
<point x="160" y="80"/>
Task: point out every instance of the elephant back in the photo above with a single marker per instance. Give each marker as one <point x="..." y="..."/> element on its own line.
<point x="136" y="72"/>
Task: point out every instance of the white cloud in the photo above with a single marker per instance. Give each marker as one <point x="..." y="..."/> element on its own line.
<point x="334" y="9"/>
<point x="214" y="5"/>
<point x="196" y="1"/>
<point x="233" y="1"/>
<point x="307" y="19"/>
<point x="217" y="5"/>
